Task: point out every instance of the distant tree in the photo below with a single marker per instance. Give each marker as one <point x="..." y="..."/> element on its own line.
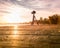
<point x="41" y="20"/>
<point x="53" y="19"/>
<point x="46" y="21"/>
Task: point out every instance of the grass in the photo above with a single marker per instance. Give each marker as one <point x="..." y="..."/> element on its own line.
<point x="42" y="36"/>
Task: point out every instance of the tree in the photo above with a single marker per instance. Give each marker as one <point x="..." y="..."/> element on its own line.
<point x="41" y="20"/>
<point x="53" y="19"/>
<point x="46" y="21"/>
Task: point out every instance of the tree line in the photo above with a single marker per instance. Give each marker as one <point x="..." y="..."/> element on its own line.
<point x="54" y="19"/>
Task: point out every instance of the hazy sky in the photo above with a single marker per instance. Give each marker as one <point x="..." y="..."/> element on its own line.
<point x="20" y="10"/>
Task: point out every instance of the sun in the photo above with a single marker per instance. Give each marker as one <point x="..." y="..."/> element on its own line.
<point x="15" y="15"/>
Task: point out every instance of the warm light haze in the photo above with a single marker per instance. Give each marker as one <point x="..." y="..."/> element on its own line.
<point x="19" y="11"/>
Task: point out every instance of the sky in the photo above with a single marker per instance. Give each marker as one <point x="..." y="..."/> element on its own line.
<point x="16" y="11"/>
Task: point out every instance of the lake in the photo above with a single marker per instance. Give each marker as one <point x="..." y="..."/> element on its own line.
<point x="27" y="36"/>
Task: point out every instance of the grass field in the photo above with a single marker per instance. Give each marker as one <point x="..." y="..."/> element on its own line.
<point x="28" y="36"/>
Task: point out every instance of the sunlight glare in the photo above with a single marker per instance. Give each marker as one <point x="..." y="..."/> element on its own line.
<point x="15" y="31"/>
<point x="15" y="15"/>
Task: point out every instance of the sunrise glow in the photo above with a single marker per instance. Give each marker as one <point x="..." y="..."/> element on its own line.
<point x="19" y="11"/>
<point x="15" y="15"/>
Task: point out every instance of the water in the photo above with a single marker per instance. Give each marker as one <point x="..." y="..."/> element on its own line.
<point x="25" y="37"/>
